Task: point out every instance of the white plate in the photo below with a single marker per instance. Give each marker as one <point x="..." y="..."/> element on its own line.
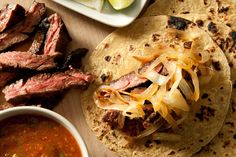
<point x="108" y="15"/>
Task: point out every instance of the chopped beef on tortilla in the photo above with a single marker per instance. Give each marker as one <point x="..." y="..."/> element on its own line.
<point x="10" y="15"/>
<point x="21" y="31"/>
<point x="44" y="84"/>
<point x="57" y="36"/>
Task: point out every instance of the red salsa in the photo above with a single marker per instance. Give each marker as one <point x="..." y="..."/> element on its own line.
<point x="36" y="136"/>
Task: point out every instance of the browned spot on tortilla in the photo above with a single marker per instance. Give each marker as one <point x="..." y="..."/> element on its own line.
<point x="223" y="9"/>
<point x="212" y="11"/>
<point x="157" y="141"/>
<point x="226" y="143"/>
<point x="147" y="45"/>
<point x="116" y="59"/>
<point x="234" y="136"/>
<point x="234" y="85"/>
<point x="172" y="153"/>
<point x="200" y="23"/>
<point x="204" y="95"/>
<point x="108" y="58"/>
<point x="106" y="77"/>
<point x="200" y="140"/>
<point x="212" y="27"/>
<point x="228" y="24"/>
<point x="155" y="37"/>
<point x="230" y="124"/>
<point x="188" y="44"/>
<point x="178" y="23"/>
<point x="216" y="65"/>
<point x="231" y="64"/>
<point x="131" y="47"/>
<point x="205" y="113"/>
<point x="148" y="143"/>
<point x="106" y="45"/>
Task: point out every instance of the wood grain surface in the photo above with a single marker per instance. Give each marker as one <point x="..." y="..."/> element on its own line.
<point x="86" y="33"/>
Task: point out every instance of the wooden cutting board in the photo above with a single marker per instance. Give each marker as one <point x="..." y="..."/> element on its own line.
<point x="86" y="33"/>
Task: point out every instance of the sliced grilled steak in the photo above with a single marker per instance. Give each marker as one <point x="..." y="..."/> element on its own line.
<point x="132" y="79"/>
<point x="6" y="77"/>
<point x="10" y="15"/>
<point x="20" y="31"/>
<point x="57" y="36"/>
<point x="25" y="60"/>
<point x="128" y="81"/>
<point x="39" y="38"/>
<point x="45" y="84"/>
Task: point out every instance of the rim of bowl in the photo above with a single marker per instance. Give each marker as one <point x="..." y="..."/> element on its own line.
<point x="20" y="110"/>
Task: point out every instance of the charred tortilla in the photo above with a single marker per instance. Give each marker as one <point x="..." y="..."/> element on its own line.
<point x="224" y="143"/>
<point x="113" y="58"/>
<point x="220" y="8"/>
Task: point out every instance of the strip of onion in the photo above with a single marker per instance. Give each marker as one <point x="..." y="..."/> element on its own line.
<point x="155" y="63"/>
<point x="135" y="109"/>
<point x="176" y="100"/>
<point x="148" y="93"/>
<point x="156" y="99"/>
<point x="157" y="78"/>
<point x="177" y="78"/>
<point x="162" y="136"/>
<point x="186" y="90"/>
<point x="145" y="59"/>
<point x="195" y="81"/>
<point x="151" y="129"/>
<point x="164" y="112"/>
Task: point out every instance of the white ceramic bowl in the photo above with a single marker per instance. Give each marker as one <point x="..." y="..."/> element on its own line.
<point x="49" y="114"/>
<point x="108" y="15"/>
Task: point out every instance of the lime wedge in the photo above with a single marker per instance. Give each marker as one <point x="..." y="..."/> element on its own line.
<point x="95" y="4"/>
<point x="120" y="4"/>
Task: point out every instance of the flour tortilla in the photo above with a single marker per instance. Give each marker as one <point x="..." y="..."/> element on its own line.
<point x="221" y="36"/>
<point x="220" y="8"/>
<point x="224" y="144"/>
<point x="174" y="7"/>
<point x="113" y="59"/>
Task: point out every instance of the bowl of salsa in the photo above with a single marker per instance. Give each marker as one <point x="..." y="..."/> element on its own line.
<point x="36" y="132"/>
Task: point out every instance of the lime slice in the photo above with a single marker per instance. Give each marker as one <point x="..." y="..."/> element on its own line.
<point x="120" y="4"/>
<point x="95" y="4"/>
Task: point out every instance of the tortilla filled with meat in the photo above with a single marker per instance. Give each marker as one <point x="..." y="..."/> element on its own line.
<point x="158" y="90"/>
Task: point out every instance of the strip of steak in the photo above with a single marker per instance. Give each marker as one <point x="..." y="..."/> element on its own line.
<point x="45" y="84"/>
<point x="20" y="31"/>
<point x="10" y="15"/>
<point x="25" y="60"/>
<point x="132" y="79"/>
<point x="6" y="77"/>
<point x="39" y="37"/>
<point x="57" y="36"/>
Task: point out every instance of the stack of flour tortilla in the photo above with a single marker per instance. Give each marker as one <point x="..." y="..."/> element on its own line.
<point x="210" y="26"/>
<point x="218" y="19"/>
